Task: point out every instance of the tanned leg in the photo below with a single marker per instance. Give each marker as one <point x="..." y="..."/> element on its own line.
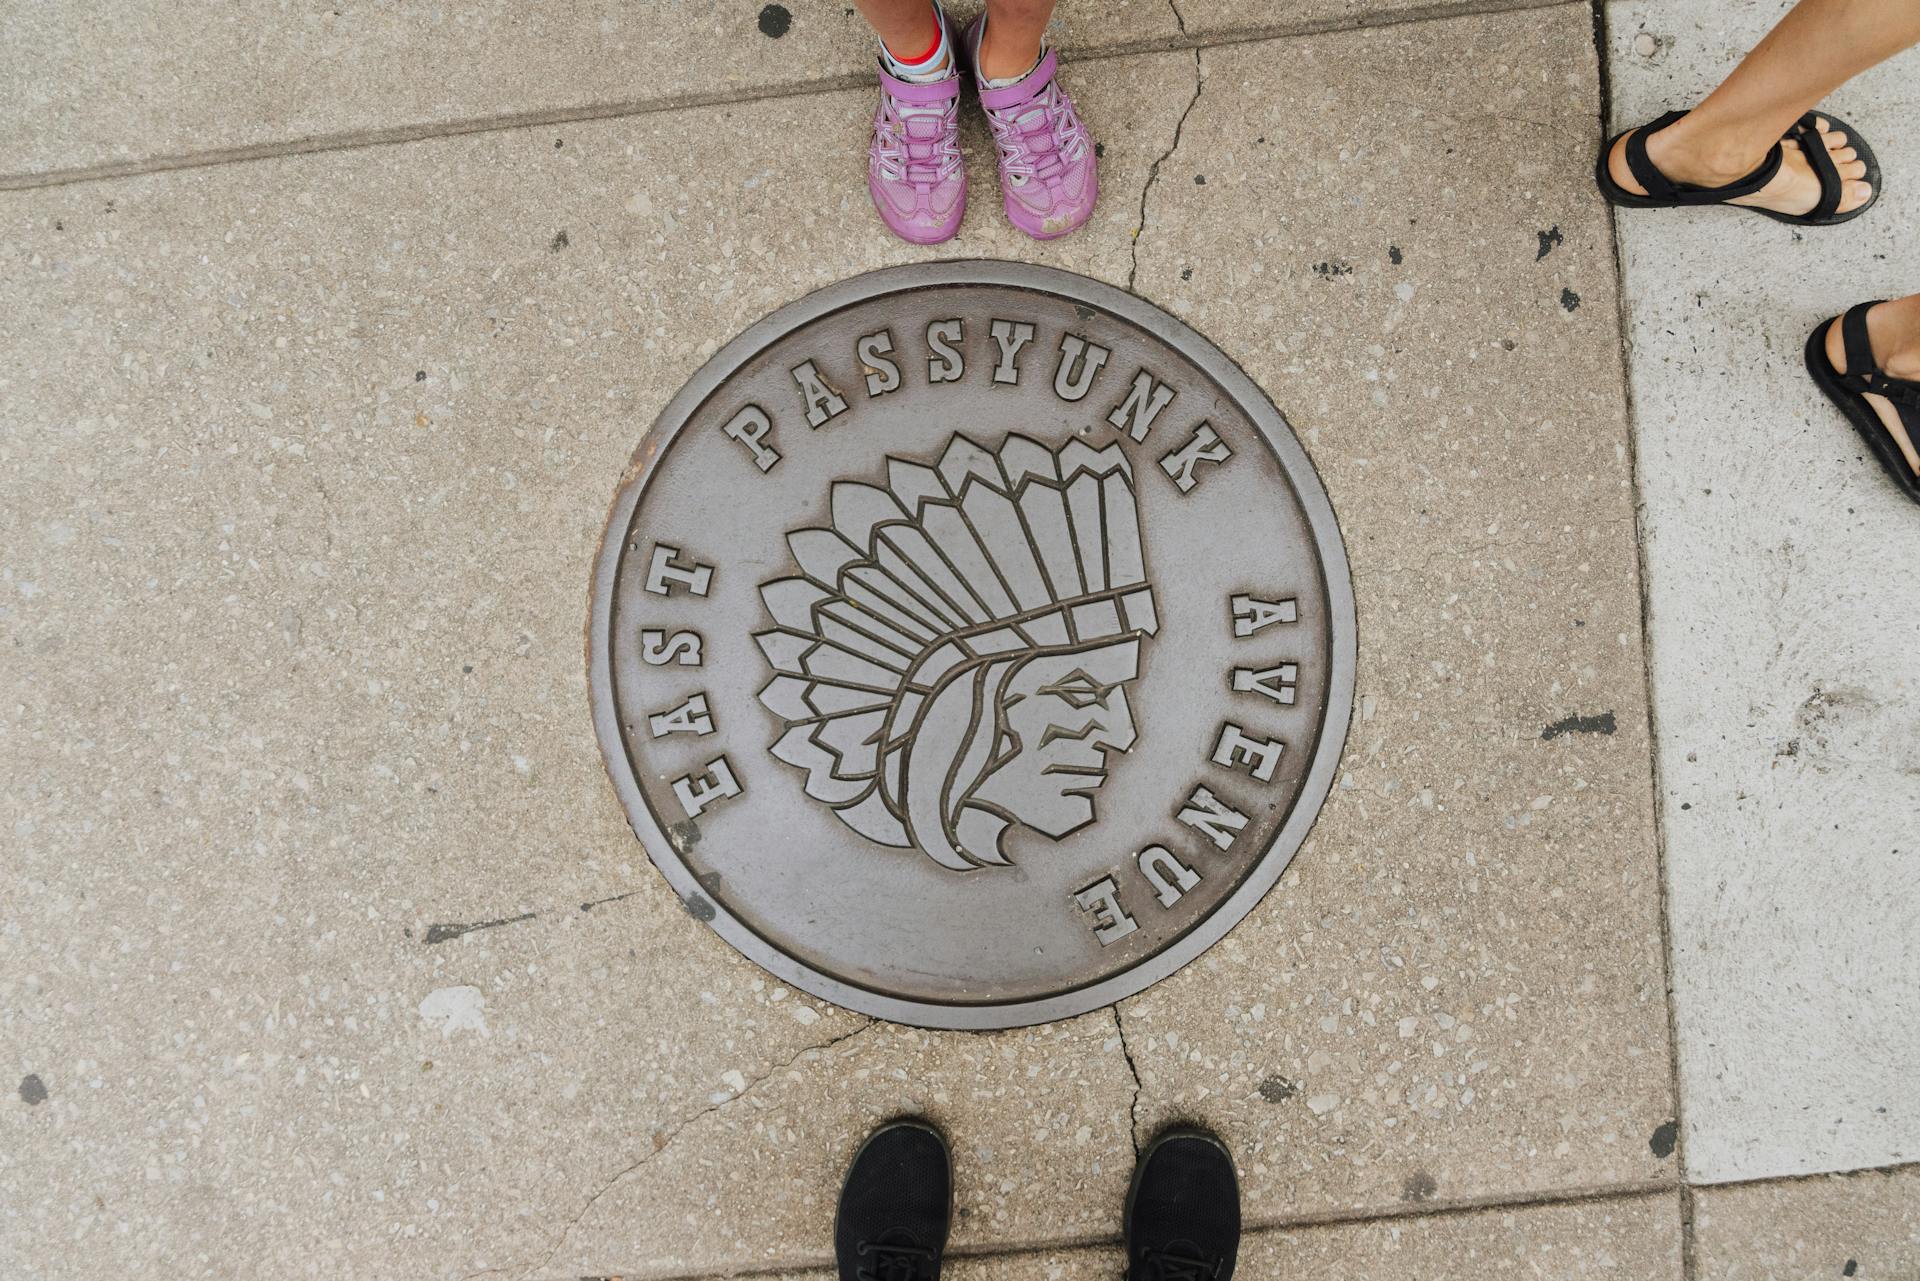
<point x="1817" y="47"/>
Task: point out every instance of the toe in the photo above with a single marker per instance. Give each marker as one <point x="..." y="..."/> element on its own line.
<point x="1854" y="169"/>
<point x="1860" y="192"/>
<point x="1843" y="154"/>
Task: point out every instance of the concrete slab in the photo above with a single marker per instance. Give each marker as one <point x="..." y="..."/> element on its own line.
<point x="1637" y="1238"/>
<point x="1781" y="620"/>
<point x="135" y="83"/>
<point x="109" y="81"/>
<point x="1456" y="993"/>
<point x="322" y="934"/>
<point x="1865" y="1226"/>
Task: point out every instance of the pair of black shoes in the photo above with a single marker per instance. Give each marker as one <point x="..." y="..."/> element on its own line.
<point x="1182" y="1215"/>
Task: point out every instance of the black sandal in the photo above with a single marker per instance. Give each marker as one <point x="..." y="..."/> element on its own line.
<point x="1848" y="391"/>
<point x="1664" y="193"/>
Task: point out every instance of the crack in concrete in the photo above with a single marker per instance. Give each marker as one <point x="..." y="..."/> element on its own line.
<point x="663" y="1140"/>
<point x="1133" y="1069"/>
<point x="1153" y="172"/>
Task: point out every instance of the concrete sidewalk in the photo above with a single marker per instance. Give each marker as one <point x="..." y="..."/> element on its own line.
<point x="324" y="946"/>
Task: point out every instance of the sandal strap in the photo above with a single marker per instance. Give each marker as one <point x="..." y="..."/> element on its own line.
<point x="1641" y="165"/>
<point x="1855" y="342"/>
<point x="1832" y="185"/>
<point x="1661" y="187"/>
<point x="1864" y="375"/>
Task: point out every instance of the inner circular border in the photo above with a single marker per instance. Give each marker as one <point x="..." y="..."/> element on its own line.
<point x="1270" y="865"/>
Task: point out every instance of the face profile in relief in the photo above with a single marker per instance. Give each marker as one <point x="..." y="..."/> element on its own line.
<point x="953" y="659"/>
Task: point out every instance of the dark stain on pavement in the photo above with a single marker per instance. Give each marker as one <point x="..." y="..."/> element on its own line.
<point x="1664" y="1140"/>
<point x="1549" y="239"/>
<point x="1601" y="724"/>
<point x="440" y="933"/>
<point x="1570" y="300"/>
<point x="33" y="1090"/>
<point x="1277" y="1089"/>
<point x="774" y="21"/>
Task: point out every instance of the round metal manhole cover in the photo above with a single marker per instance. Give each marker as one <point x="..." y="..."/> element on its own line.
<point x="972" y="644"/>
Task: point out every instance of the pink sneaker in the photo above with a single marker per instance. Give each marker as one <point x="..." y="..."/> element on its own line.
<point x="914" y="170"/>
<point x="1048" y="174"/>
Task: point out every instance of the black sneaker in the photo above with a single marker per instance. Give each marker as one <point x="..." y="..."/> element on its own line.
<point x="1183" y="1210"/>
<point x="896" y="1206"/>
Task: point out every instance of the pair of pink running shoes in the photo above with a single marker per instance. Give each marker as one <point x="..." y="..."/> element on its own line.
<point x="1047" y="162"/>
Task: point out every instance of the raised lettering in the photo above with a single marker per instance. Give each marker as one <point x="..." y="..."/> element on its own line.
<point x="1261" y="756"/>
<point x="1169" y="877"/>
<point x="715" y="783"/>
<point x="657" y="649"/>
<point x="823" y="402"/>
<point x="1250" y="613"/>
<point x="691" y="717"/>
<point x="946" y="363"/>
<point x="663" y="574"/>
<point x="1080" y="360"/>
<point x="882" y="374"/>
<point x="1143" y="404"/>
<point x="751" y="427"/>
<point x="1012" y="335"/>
<point x="1101" y="901"/>
<point x="1277" y="683"/>
<point x="1212" y="817"/>
<point x="1204" y="447"/>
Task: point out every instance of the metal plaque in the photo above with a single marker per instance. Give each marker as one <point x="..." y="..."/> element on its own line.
<point x="972" y="644"/>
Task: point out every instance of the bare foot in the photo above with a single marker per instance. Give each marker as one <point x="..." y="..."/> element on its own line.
<point x="1677" y="153"/>
<point x="1893" y="331"/>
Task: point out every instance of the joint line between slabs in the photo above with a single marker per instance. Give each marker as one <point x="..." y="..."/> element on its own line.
<point x="1623" y="318"/>
<point x="396" y="135"/>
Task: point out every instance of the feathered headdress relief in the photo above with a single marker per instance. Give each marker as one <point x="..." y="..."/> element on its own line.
<point x="929" y="610"/>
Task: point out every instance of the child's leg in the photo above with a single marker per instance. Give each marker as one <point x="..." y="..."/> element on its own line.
<point x="1010" y="44"/>
<point x="908" y="28"/>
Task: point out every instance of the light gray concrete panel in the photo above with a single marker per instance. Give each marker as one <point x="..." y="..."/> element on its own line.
<point x="1784" y="596"/>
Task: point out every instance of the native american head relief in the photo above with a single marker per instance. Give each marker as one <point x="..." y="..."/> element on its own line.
<point x="953" y="658"/>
